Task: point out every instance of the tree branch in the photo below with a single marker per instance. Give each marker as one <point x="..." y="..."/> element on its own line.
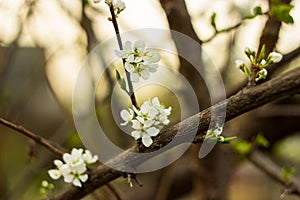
<point x="33" y="136"/>
<point x="245" y="100"/>
<point x="274" y="171"/>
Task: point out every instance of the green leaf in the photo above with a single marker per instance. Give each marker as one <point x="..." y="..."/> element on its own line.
<point x="262" y="141"/>
<point x="213" y="21"/>
<point x="242" y="147"/>
<point x="287" y="173"/>
<point x="262" y="53"/>
<point x="121" y="80"/>
<point x="257" y="11"/>
<point x="282" y="12"/>
<point x="246" y="71"/>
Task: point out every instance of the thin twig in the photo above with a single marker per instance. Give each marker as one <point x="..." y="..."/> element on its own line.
<point x="274" y="171"/>
<point x="46" y="144"/>
<point x="225" y="30"/>
<point x="33" y="136"/>
<point x="119" y="39"/>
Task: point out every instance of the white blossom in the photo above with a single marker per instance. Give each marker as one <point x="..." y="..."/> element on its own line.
<point x="73" y="169"/>
<point x="139" y="60"/>
<point x="147" y="121"/>
<point x="275" y="57"/>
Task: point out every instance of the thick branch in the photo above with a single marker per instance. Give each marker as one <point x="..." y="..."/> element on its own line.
<point x="245" y="100"/>
<point x="180" y="20"/>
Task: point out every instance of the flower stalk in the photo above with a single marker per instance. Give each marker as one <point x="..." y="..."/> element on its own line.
<point x="119" y="39"/>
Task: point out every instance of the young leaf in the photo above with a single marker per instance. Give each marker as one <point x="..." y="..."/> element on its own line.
<point x="287" y="173"/>
<point x="260" y="140"/>
<point x="213" y="21"/>
<point x="242" y="146"/>
<point x="120" y="80"/>
<point x="257" y="11"/>
<point x="262" y="53"/>
<point x="282" y="12"/>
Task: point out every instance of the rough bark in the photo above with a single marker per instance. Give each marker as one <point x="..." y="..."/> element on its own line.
<point x="244" y="101"/>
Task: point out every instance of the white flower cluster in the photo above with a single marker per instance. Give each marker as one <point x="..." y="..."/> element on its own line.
<point x="73" y="169"/>
<point x="258" y="62"/>
<point x="146" y="121"/>
<point x="139" y="60"/>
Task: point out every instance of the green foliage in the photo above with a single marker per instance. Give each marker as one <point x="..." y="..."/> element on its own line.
<point x="242" y="147"/>
<point x="282" y="12"/>
<point x="256" y="11"/>
<point x="261" y="54"/>
<point x="288" y="172"/>
<point x="121" y="80"/>
<point x="260" y="140"/>
<point x="247" y="71"/>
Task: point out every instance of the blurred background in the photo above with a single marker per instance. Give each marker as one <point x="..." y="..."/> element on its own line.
<point x="44" y="43"/>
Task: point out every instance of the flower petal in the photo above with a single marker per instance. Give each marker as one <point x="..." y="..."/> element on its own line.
<point x="129" y="67"/>
<point x="275" y="57"/>
<point x="65" y="169"/>
<point x="146" y="140"/>
<point x="152" y="131"/>
<point x="58" y="163"/>
<point x="139" y="45"/>
<point x="145" y="74"/>
<point x="67" y="158"/>
<point x="136" y="134"/>
<point x="134" y="77"/>
<point x="83" y="178"/>
<point x="68" y="178"/>
<point x="54" y="174"/>
<point x="136" y="124"/>
<point x="76" y="182"/>
<point x="126" y="115"/>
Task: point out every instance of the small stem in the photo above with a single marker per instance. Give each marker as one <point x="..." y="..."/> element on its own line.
<point x="31" y="135"/>
<point x="252" y="78"/>
<point x="119" y="39"/>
